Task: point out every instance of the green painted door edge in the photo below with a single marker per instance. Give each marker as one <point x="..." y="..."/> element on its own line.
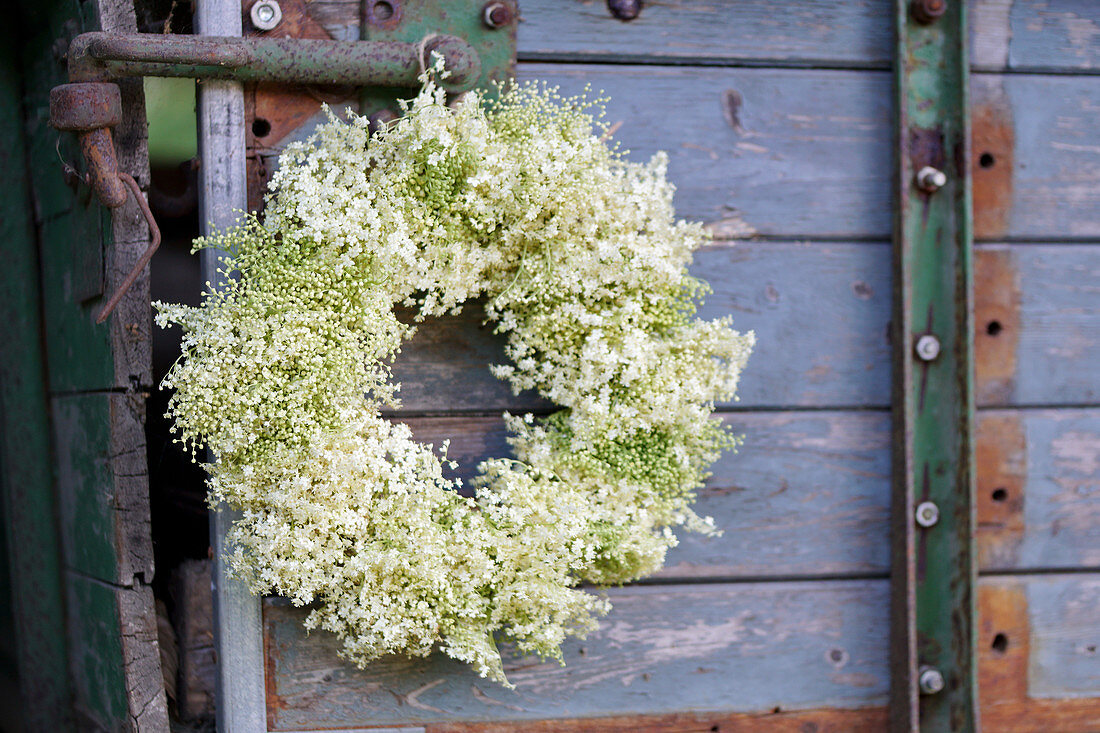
<point x="933" y="623"/>
<point x="29" y="504"/>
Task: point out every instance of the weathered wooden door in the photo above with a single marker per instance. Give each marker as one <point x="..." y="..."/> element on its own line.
<point x="780" y="121"/>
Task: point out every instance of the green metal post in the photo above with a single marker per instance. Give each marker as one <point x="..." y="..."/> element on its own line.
<point x="933" y="667"/>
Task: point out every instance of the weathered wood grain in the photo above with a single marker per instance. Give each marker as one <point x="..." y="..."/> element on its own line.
<point x="776" y="720"/>
<point x="797" y="153"/>
<point x="820" y="313"/>
<point x="683" y="648"/>
<point x="807" y="494"/>
<point x="1037" y="322"/>
<point x="1024" y="35"/>
<point x="1035" y="35"/>
<point x="1038" y="489"/>
<point x="700" y="650"/>
<point x="1015" y="630"/>
<point x="788" y="153"/>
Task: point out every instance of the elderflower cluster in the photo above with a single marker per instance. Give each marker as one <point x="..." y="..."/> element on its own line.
<point x="582" y="264"/>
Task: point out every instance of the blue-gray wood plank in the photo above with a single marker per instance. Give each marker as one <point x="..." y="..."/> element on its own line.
<point x="1065" y="636"/>
<point x="713" y="647"/>
<point x="820" y="312"/>
<point x="807" y="495"/>
<point x="1026" y="35"/>
<point x="687" y="647"/>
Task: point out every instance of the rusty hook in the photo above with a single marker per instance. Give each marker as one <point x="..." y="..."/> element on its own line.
<point x="154" y="242"/>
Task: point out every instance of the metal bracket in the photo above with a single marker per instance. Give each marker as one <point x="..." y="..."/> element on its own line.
<point x="933" y="658"/>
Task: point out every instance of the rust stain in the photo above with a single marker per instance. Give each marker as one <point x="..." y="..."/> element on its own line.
<point x="997" y="324"/>
<point x="274" y="701"/>
<point x="1001" y="454"/>
<point x="274" y="111"/>
<point x="731" y="109"/>
<point x="991" y="160"/>
<point x="823" y="720"/>
<point x="1004" y="641"/>
<point x="1004" y="646"/>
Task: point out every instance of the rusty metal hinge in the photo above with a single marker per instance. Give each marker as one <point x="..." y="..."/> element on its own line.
<point x="91" y="103"/>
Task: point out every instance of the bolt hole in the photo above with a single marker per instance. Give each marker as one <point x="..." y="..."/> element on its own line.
<point x="1091" y="648"/>
<point x="382" y="10"/>
<point x="261" y="127"/>
<point x="714" y="729"/>
<point x="1000" y="494"/>
<point x="1000" y="643"/>
<point x="993" y="328"/>
<point x="986" y="160"/>
<point x="776" y="710"/>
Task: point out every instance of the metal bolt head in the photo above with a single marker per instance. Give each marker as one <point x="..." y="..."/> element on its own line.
<point x="927" y="514"/>
<point x="930" y="680"/>
<point x="496" y="14"/>
<point x="927" y="347"/>
<point x="931" y="179"/>
<point x="625" y="9"/>
<point x="266" y="14"/>
<point x="927" y="11"/>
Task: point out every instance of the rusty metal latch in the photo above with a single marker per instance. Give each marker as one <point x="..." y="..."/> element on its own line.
<point x="91" y="103"/>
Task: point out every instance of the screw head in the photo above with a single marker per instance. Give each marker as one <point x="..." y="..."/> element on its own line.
<point x="930" y="179"/>
<point x="927" y="514"/>
<point x="927" y="11"/>
<point x="266" y="14"/>
<point x="496" y="15"/>
<point x="930" y="680"/>
<point x="625" y="9"/>
<point x="927" y="347"/>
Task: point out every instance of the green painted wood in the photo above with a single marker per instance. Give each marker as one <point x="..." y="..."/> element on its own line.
<point x="663" y="649"/>
<point x="933" y="566"/>
<point x="74" y="229"/>
<point x="28" y="505"/>
<point x="95" y="658"/>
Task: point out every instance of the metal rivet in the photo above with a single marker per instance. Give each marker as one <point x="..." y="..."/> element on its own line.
<point x="930" y="179"/>
<point x="266" y="14"/>
<point x="927" y="514"/>
<point x="624" y="9"/>
<point x="927" y="11"/>
<point x="930" y="680"/>
<point x="496" y="15"/>
<point x="927" y="347"/>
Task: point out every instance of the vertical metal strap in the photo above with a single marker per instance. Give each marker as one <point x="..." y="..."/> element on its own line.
<point x="238" y="634"/>
<point x="933" y="667"/>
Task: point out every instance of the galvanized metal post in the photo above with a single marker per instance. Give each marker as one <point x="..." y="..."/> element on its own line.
<point x="238" y="634"/>
<point x="934" y="681"/>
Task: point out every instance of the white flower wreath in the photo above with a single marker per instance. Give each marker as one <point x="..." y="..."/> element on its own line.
<point x="582" y="266"/>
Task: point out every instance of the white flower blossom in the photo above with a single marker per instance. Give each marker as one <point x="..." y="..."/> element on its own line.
<point x="583" y="266"/>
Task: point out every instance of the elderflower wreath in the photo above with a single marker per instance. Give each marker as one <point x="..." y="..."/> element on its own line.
<point x="581" y="264"/>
